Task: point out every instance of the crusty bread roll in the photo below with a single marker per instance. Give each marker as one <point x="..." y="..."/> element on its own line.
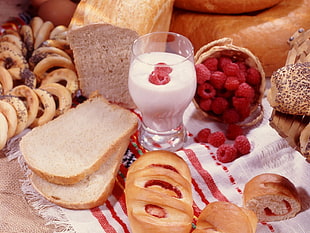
<point x="225" y="6"/>
<point x="290" y="89"/>
<point x="90" y="192"/>
<point x="74" y="145"/>
<point x="158" y="194"/>
<point x="101" y="34"/>
<point x="264" y="33"/>
<point x="225" y="217"/>
<point x="271" y="197"/>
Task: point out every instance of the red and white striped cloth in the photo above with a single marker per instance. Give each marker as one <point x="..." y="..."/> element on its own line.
<point x="212" y="180"/>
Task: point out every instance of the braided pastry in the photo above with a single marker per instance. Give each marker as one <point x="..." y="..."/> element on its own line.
<point x="158" y="194"/>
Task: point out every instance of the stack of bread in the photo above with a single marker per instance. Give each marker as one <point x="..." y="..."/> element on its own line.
<point x="75" y="158"/>
<point x="289" y="95"/>
<point x="260" y="26"/>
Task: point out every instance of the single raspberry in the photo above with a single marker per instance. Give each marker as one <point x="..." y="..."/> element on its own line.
<point x="242" y="144"/>
<point x="253" y="76"/>
<point x="233" y="131"/>
<point x="218" y="79"/>
<point x="159" y="78"/>
<point x="245" y="90"/>
<point x="219" y="105"/>
<point x="206" y="91"/>
<point x="242" y="106"/>
<point x="216" y="139"/>
<point x="231" y="116"/>
<point x="205" y="104"/>
<point x="231" y="69"/>
<point x="226" y="153"/>
<point x="223" y="61"/>
<point x="163" y="67"/>
<point x="232" y="83"/>
<point x="211" y="63"/>
<point x="202" y="73"/>
<point x="241" y="76"/>
<point x="203" y="135"/>
<point x="242" y="66"/>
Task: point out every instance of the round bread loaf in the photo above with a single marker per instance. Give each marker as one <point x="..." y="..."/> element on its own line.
<point x="264" y="33"/>
<point x="225" y="6"/>
<point x="271" y="197"/>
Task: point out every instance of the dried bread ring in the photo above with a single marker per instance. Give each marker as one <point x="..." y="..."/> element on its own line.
<point x="10" y="60"/>
<point x="36" y="24"/>
<point x="41" y="69"/>
<point x="31" y="98"/>
<point x="43" y="33"/>
<point x="63" y="96"/>
<point x="5" y="45"/>
<point x="62" y="44"/>
<point x="5" y="80"/>
<point x="59" y="32"/>
<point x="15" y="41"/>
<point x="27" y="36"/>
<point x="48" y="108"/>
<point x="4" y="131"/>
<point x="63" y="74"/>
<point x="10" y="114"/>
<point x="21" y="112"/>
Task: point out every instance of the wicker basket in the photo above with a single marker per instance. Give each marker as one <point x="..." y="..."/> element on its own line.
<point x="225" y="47"/>
<point x="295" y="129"/>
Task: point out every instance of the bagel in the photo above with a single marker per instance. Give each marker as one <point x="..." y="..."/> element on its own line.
<point x="63" y="95"/>
<point x="28" y="78"/>
<point x="6" y="81"/>
<point x="3" y="131"/>
<point x="31" y="98"/>
<point x="59" y="32"/>
<point x="21" y="112"/>
<point x="10" y="114"/>
<point x="15" y="40"/>
<point x="264" y="33"/>
<point x="225" y="6"/>
<point x="63" y="74"/>
<point x="10" y="60"/>
<point x="43" y="33"/>
<point x="59" y="43"/>
<point x="27" y="36"/>
<point x="35" y="24"/>
<point x="47" y="110"/>
<point x="46" y="64"/>
<point x="5" y="45"/>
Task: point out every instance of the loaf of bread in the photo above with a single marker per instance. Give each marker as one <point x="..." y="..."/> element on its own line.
<point x="225" y="217"/>
<point x="264" y="33"/>
<point x="225" y="6"/>
<point x="77" y="143"/>
<point x="158" y="194"/>
<point x="290" y="89"/>
<point x="101" y="35"/>
<point x="271" y="197"/>
<point x="90" y="192"/>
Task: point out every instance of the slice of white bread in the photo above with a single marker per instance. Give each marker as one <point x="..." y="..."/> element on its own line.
<point x="101" y="33"/>
<point x="90" y="192"/>
<point x="76" y="144"/>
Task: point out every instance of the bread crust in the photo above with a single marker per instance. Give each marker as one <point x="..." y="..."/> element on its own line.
<point x="271" y="197"/>
<point x="158" y="194"/>
<point x="223" y="216"/>
<point x="264" y="33"/>
<point x="225" y="6"/>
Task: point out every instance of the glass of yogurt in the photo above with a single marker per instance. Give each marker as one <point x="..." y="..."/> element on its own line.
<point x="162" y="83"/>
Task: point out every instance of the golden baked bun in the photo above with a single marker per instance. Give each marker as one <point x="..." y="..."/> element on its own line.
<point x="158" y="194"/>
<point x="264" y="33"/>
<point x="271" y="197"/>
<point x="225" y="6"/>
<point x="225" y="217"/>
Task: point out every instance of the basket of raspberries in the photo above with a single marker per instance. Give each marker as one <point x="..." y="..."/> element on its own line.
<point x="230" y="88"/>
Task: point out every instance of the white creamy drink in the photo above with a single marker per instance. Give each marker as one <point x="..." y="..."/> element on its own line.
<point x="162" y="106"/>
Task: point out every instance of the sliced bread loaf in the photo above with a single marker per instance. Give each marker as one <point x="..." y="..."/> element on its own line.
<point x="74" y="145"/>
<point x="90" y="192"/>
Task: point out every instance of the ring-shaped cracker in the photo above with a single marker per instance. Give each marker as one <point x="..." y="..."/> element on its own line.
<point x="48" y="63"/>
<point x="59" y="32"/>
<point x="21" y="112"/>
<point x="15" y="40"/>
<point x="5" y="45"/>
<point x="44" y="51"/>
<point x="13" y="61"/>
<point x="62" y="44"/>
<point x="43" y="33"/>
<point x="4" y="131"/>
<point x="28" y="38"/>
<point x="48" y="110"/>
<point x="63" y="95"/>
<point x="63" y="74"/>
<point x="31" y="98"/>
<point x="35" y="24"/>
<point x="10" y="114"/>
<point x="5" y="80"/>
